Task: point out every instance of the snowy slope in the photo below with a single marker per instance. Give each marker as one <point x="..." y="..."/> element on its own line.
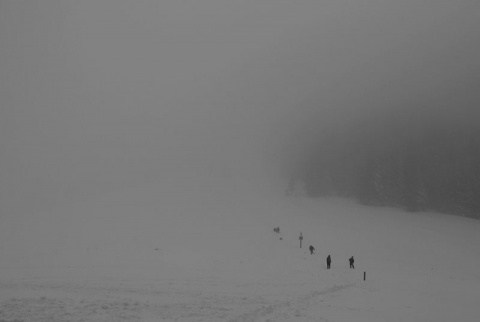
<point x="205" y="250"/>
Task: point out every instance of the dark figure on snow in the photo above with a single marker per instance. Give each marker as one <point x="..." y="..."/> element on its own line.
<point x="277" y="230"/>
<point x="312" y="249"/>
<point x="351" y="260"/>
<point x="300" y="238"/>
<point x="329" y="261"/>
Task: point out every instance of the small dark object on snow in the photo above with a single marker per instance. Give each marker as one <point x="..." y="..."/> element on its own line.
<point x="351" y="260"/>
<point x="300" y="238"/>
<point x="312" y="249"/>
<point x="277" y="230"/>
<point x="329" y="261"/>
<point x="281" y="238"/>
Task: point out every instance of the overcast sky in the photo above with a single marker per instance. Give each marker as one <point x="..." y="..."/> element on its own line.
<point x="98" y="93"/>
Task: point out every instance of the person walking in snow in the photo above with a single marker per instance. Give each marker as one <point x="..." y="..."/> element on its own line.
<point x="351" y="260"/>
<point x="300" y="238"/>
<point x="329" y="261"/>
<point x="312" y="249"/>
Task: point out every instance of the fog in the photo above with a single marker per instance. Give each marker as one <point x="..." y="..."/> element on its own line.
<point x="100" y="94"/>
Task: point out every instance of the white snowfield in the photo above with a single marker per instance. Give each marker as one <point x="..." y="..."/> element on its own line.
<point x="206" y="251"/>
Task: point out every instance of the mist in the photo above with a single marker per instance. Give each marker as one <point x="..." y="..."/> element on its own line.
<point x="100" y="94"/>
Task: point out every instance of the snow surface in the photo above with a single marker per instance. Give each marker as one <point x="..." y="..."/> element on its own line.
<point x="197" y="250"/>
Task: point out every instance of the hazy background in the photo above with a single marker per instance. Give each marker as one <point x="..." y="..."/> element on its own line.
<point x="100" y="94"/>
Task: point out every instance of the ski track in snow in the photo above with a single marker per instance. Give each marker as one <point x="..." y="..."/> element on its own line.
<point x="290" y="309"/>
<point x="172" y="301"/>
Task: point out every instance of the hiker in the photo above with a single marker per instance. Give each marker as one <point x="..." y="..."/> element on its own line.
<point x="301" y="238"/>
<point x="351" y="260"/>
<point x="312" y="249"/>
<point x="329" y="261"/>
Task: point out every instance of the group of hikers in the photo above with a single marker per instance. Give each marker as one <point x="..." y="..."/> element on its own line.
<point x="351" y="260"/>
<point x="329" y="259"/>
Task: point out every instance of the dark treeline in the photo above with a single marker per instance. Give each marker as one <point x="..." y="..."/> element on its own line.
<point x="414" y="163"/>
